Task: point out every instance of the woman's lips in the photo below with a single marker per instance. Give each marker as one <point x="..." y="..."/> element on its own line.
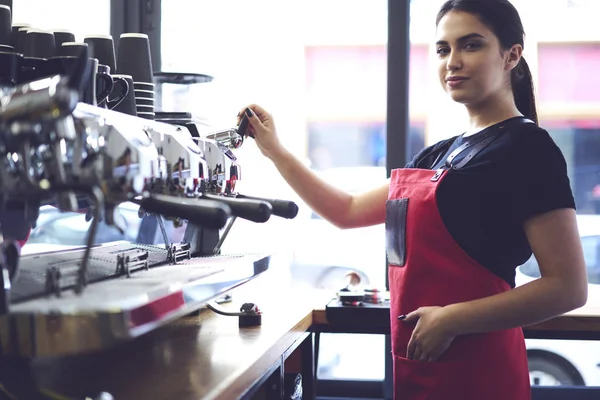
<point x="455" y="81"/>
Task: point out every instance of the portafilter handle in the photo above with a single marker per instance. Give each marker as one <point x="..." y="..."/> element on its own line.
<point x="232" y="138"/>
<point x="281" y="208"/>
<point x="227" y="137"/>
<point x="210" y="214"/>
<point x="252" y="210"/>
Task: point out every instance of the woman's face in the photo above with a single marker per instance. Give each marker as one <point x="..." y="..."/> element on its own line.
<point x="472" y="66"/>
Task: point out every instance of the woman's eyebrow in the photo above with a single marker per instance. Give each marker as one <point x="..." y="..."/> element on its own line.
<point x="462" y="38"/>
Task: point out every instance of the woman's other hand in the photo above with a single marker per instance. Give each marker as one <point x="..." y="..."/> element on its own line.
<point x="432" y="335"/>
<point x="262" y="127"/>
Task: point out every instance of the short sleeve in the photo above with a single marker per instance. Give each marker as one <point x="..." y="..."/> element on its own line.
<point x="415" y="161"/>
<point x="540" y="182"/>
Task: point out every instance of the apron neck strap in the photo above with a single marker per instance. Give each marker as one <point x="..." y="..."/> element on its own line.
<point x="481" y="142"/>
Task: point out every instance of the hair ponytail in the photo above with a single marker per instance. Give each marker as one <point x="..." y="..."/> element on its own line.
<point x="522" y="88"/>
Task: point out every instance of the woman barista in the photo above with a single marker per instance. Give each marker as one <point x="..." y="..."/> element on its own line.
<point x="462" y="216"/>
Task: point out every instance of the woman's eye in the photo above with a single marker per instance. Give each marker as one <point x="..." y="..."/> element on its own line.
<point x="472" y="46"/>
<point x="442" y="50"/>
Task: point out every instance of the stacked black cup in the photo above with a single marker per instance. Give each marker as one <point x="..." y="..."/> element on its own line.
<point x="63" y="36"/>
<point x="28" y="54"/>
<point x="133" y="59"/>
<point x="15" y="32"/>
<point x="71" y="49"/>
<point x="36" y="47"/>
<point x="39" y="44"/>
<point x="102" y="47"/>
<point x="5" y="25"/>
<point x="8" y="3"/>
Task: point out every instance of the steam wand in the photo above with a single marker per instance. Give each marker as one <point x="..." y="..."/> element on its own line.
<point x="219" y="244"/>
<point x="5" y="288"/>
<point x="161" y="225"/>
<point x="55" y="274"/>
<point x="163" y="231"/>
<point x="98" y="199"/>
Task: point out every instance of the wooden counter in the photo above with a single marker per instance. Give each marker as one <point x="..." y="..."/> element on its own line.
<point x="204" y="357"/>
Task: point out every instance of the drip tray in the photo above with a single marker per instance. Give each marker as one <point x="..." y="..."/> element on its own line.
<point x="31" y="281"/>
<point x="115" y="308"/>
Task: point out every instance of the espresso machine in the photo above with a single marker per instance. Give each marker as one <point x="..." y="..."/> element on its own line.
<point x="58" y="151"/>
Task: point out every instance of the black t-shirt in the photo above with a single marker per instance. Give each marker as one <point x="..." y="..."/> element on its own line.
<point x="484" y="205"/>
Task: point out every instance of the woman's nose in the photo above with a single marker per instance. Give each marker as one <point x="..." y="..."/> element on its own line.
<point x="454" y="61"/>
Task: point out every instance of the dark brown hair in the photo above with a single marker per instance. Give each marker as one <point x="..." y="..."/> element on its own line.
<point x="502" y="18"/>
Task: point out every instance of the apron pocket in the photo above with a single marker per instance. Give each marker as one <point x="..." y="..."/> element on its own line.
<point x="422" y="380"/>
<point x="395" y="231"/>
<point x="464" y="380"/>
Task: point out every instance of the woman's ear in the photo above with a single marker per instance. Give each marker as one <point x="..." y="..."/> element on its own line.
<point x="513" y="56"/>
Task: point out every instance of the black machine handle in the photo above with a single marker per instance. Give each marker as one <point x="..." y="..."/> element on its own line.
<point x="209" y="214"/>
<point x="252" y="210"/>
<point x="281" y="208"/>
<point x="242" y="128"/>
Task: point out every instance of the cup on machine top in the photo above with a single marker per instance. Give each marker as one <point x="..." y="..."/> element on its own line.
<point x="127" y="105"/>
<point x="8" y="3"/>
<point x="39" y="44"/>
<point x="133" y="57"/>
<point x="63" y="36"/>
<point x="5" y="24"/>
<point x="144" y="93"/>
<point x="71" y="49"/>
<point x="10" y="68"/>
<point x="20" y="39"/>
<point x="106" y="85"/>
<point x="146" y="115"/>
<point x="144" y="108"/>
<point x="144" y="86"/>
<point x="102" y="47"/>
<point x="144" y="101"/>
<point x="63" y="65"/>
<point x="14" y="33"/>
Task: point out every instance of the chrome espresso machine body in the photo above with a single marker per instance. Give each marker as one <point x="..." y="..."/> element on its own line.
<point x="76" y="157"/>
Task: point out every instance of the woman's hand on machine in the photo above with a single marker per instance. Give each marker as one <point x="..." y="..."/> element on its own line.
<point x="432" y="334"/>
<point x="262" y="128"/>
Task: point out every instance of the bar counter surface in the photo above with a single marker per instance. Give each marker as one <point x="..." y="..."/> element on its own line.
<point x="580" y="324"/>
<point x="197" y="357"/>
<point x="210" y="357"/>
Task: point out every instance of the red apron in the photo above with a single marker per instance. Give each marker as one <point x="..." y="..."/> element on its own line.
<point x="428" y="268"/>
